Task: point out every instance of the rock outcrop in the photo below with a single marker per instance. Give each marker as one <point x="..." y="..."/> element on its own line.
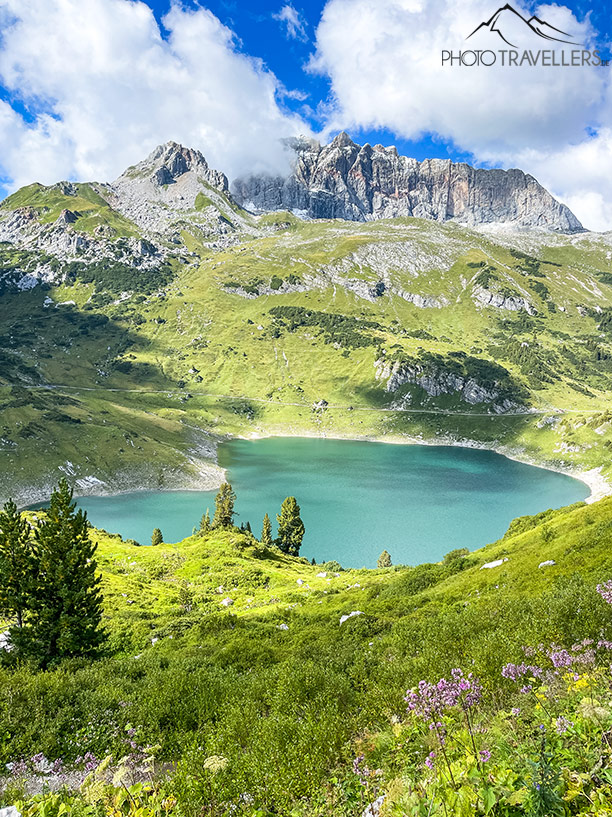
<point x="362" y="183"/>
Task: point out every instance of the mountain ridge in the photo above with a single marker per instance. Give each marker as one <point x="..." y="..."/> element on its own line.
<point x="363" y="183"/>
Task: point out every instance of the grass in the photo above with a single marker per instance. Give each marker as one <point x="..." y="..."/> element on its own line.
<point x="275" y="676"/>
<point x="192" y="346"/>
<point x="91" y="208"/>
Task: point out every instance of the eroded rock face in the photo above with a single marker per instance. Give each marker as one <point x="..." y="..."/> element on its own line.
<point x="436" y="382"/>
<point x="348" y="181"/>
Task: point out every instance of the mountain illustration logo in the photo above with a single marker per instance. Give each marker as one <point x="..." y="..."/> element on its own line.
<point x="509" y="24"/>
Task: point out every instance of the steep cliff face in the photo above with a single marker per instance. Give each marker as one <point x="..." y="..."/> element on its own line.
<point x="348" y="181"/>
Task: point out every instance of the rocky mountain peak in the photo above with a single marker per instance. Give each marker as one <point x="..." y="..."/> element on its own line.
<point x="169" y="162"/>
<point x="343" y="140"/>
<point x="347" y="181"/>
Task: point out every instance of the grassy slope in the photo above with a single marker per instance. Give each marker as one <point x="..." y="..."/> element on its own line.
<point x="141" y="585"/>
<point x="198" y="338"/>
<point x="91" y="208"/>
<point x="184" y="671"/>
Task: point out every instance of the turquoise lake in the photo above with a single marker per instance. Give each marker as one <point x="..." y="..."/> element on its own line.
<point x="357" y="497"/>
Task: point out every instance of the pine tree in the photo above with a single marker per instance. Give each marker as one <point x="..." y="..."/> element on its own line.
<point x="248" y="528"/>
<point x="224" y="507"/>
<point x="205" y="522"/>
<point x="384" y="560"/>
<point x="16" y="563"/>
<point x="65" y="603"/>
<point x="157" y="537"/>
<point x="290" y="527"/>
<point x="266" y="532"/>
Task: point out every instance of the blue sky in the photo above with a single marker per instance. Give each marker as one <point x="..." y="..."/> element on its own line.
<point x="262" y="35"/>
<point x="231" y="78"/>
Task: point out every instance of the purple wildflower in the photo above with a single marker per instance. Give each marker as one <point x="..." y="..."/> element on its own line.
<point x="605" y="591"/>
<point x="515" y="710"/>
<point x="429" y="760"/>
<point x="516" y="671"/>
<point x="563" y="724"/>
<point x="429" y="701"/>
<point x="604" y="645"/>
<point x="561" y="658"/>
<point x="484" y="755"/>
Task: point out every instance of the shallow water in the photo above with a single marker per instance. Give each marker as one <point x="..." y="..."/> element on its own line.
<point x="357" y="498"/>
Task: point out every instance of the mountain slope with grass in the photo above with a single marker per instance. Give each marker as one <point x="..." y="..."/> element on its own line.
<point x="130" y="373"/>
<point x="290" y="700"/>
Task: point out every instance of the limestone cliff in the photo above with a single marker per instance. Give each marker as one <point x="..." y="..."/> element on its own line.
<point x="348" y="181"/>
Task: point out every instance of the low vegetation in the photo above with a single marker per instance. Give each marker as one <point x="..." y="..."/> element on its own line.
<point x="239" y="679"/>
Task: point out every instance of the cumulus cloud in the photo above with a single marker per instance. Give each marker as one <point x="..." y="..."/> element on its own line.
<point x="295" y="25"/>
<point x="384" y="61"/>
<point x="97" y="87"/>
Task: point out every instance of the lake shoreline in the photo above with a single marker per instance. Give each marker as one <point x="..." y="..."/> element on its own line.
<point x="209" y="475"/>
<point x="598" y="485"/>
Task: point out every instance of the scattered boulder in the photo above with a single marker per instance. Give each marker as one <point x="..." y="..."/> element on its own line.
<point x="548" y="563"/>
<point x="9" y="811"/>
<point x="374" y="809"/>
<point x="496" y="563"/>
<point x="350" y="615"/>
<point x="283" y="626"/>
<point x="227" y="602"/>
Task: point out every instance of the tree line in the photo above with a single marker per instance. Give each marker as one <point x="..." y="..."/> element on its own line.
<point x="291" y="528"/>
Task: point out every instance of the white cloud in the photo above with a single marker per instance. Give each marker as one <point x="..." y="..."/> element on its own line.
<point x="106" y="88"/>
<point x="384" y="61"/>
<point x="295" y="24"/>
<point x="581" y="175"/>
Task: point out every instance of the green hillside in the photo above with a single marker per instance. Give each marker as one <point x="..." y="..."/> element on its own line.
<point x="274" y="698"/>
<point x="248" y="338"/>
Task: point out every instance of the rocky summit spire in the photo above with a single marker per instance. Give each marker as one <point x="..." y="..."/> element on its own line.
<point x="347" y="181"/>
<point x="170" y="161"/>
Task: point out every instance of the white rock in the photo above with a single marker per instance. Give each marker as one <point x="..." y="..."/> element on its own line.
<point x="227" y="602"/>
<point x="283" y="626"/>
<point x="548" y="563"/>
<point x="9" y="811"/>
<point x="154" y="640"/>
<point x="350" y="615"/>
<point x="322" y="575"/>
<point x="496" y="563"/>
<point x="300" y="582"/>
<point x="373" y="810"/>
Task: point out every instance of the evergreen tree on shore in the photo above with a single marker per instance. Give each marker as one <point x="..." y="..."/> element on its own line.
<point x="205" y="522"/>
<point x="290" y="527"/>
<point x="64" y="603"/>
<point x="157" y="537"/>
<point x="16" y="563"/>
<point x="224" y="507"/>
<point x="266" y="532"/>
<point x="384" y="560"/>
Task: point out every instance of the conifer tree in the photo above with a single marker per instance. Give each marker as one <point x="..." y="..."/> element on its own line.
<point x="248" y="528"/>
<point x="224" y="507"/>
<point x="157" y="537"/>
<point x="290" y="527"/>
<point x="205" y="522"/>
<point x="266" y="532"/>
<point x="384" y="560"/>
<point x="65" y="604"/>
<point x="16" y="563"/>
